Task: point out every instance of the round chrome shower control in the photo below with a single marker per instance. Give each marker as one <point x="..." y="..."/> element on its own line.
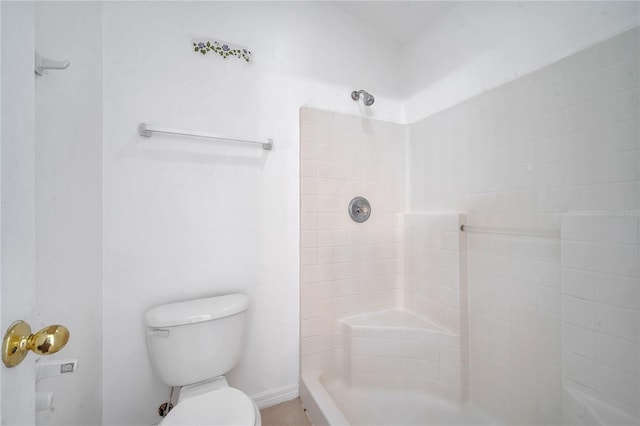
<point x="359" y="209"/>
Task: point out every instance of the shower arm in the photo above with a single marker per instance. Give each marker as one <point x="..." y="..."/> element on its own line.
<point x="355" y="95"/>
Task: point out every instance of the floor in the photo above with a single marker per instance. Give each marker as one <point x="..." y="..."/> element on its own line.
<point x="288" y="413"/>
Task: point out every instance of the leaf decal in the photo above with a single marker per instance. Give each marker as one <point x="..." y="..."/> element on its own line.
<point x="223" y="49"/>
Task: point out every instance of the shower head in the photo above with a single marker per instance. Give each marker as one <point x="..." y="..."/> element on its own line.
<point x="367" y="97"/>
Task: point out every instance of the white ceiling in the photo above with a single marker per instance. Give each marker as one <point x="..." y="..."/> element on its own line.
<point x="400" y="21"/>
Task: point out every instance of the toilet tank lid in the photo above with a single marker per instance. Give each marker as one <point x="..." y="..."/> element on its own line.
<point x="198" y="310"/>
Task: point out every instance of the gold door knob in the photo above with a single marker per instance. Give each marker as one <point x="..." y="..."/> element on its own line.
<point x="18" y="340"/>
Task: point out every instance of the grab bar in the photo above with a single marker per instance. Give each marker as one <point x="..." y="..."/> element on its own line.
<point x="540" y="233"/>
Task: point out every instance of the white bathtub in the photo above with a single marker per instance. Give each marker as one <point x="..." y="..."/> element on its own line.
<point x="582" y="408"/>
<point x="394" y="367"/>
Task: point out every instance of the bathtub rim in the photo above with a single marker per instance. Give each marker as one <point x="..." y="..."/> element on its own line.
<point x="321" y="408"/>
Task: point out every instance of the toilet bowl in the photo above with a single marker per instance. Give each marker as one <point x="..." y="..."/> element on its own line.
<point x="223" y="407"/>
<point x="227" y="406"/>
<point x="192" y="344"/>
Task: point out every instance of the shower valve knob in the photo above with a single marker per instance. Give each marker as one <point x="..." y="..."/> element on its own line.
<point x="359" y="209"/>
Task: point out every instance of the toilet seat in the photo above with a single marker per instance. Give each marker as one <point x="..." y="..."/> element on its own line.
<point x="227" y="406"/>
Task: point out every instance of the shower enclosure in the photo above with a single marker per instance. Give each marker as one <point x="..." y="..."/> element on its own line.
<point x="496" y="280"/>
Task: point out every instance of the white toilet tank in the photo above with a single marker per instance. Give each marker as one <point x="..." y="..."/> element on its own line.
<point x="196" y="340"/>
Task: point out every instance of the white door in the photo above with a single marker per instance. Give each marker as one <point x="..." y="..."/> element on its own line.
<point x="17" y="196"/>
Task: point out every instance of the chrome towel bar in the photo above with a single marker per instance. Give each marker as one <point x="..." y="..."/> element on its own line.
<point x="147" y="131"/>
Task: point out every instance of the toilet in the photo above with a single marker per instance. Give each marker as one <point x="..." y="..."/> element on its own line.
<point x="192" y="345"/>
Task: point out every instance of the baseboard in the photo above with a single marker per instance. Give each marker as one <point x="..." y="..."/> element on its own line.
<point x="275" y="396"/>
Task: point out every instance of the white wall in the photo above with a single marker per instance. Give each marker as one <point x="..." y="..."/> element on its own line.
<point x="69" y="203"/>
<point x="18" y="203"/>
<point x="481" y="45"/>
<point x="0" y="191"/>
<point x="186" y="218"/>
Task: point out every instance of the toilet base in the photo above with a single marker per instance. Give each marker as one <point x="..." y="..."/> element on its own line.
<point x="220" y="382"/>
<point x="202" y="387"/>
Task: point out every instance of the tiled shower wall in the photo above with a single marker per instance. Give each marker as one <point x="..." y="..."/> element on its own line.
<point x="563" y="138"/>
<point x="435" y="287"/>
<point x="601" y="309"/>
<point x="347" y="267"/>
<point x="435" y="268"/>
<point x="514" y="322"/>
<point x="560" y="139"/>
